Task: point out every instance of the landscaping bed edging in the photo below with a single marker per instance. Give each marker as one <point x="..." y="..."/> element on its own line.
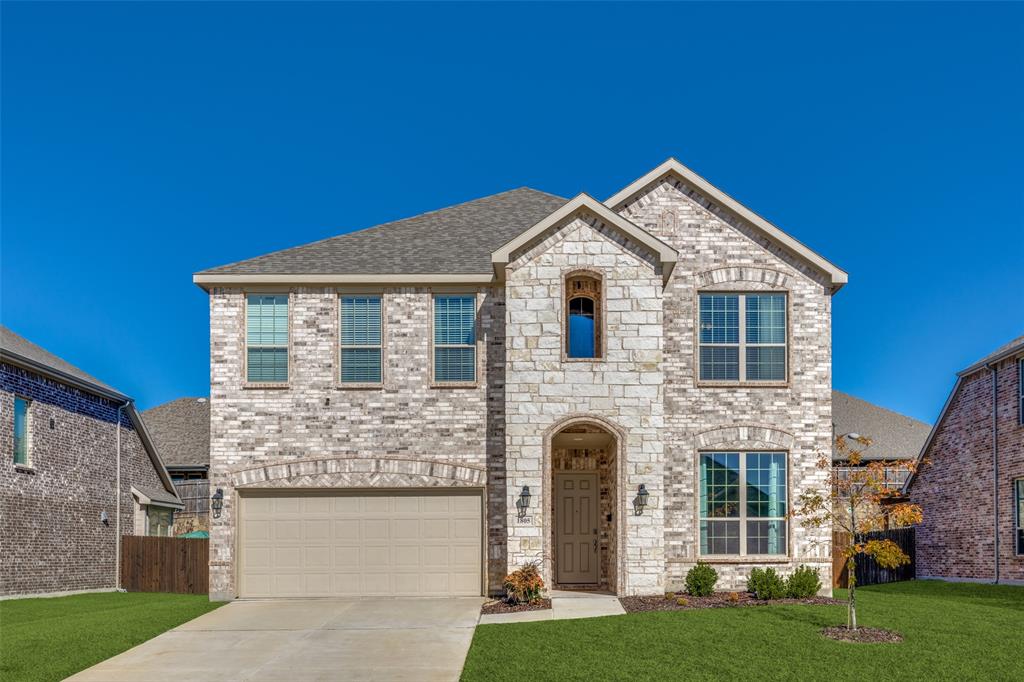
<point x="716" y="601"/>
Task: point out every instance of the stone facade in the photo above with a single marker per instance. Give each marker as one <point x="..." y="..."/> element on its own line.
<point x="954" y="486"/>
<point x="51" y="536"/>
<point x="497" y="435"/>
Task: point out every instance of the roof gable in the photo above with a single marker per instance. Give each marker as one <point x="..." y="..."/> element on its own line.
<point x="837" y="276"/>
<point x="584" y="203"/>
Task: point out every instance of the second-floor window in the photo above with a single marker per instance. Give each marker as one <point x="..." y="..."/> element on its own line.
<point x="454" y="339"/>
<point x="361" y="340"/>
<point x="21" y="431"/>
<point x="266" y="338"/>
<point x="742" y="337"/>
<point x="583" y="317"/>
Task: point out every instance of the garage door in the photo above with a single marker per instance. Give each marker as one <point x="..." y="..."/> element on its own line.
<point x="360" y="544"/>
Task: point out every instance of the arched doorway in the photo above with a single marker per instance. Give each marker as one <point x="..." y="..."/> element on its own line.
<point x="583" y="507"/>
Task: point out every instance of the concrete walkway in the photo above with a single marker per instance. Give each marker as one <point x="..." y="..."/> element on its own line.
<point x="564" y="604"/>
<point x="306" y="639"/>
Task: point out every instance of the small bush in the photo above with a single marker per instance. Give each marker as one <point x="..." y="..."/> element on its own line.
<point x="524" y="585"/>
<point x="804" y="583"/>
<point x="734" y="597"/>
<point x="701" y="579"/>
<point x="765" y="583"/>
<point x="670" y="596"/>
<point x="682" y="601"/>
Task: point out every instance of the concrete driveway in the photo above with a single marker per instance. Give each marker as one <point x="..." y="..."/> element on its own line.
<point x="306" y="639"/>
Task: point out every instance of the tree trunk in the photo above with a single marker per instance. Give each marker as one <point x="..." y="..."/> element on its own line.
<point x="851" y="569"/>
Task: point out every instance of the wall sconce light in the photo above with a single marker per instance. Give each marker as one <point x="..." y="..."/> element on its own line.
<point x="217" y="502"/>
<point x="523" y="502"/>
<point x="640" y="501"/>
<point x="104" y="519"/>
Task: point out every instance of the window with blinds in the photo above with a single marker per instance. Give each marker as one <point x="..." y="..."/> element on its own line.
<point x="743" y="337"/>
<point x="266" y="338"/>
<point x="361" y="344"/>
<point x="454" y="339"/>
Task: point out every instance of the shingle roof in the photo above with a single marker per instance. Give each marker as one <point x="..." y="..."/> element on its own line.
<point x="158" y="495"/>
<point x="1004" y="350"/>
<point x="20" y="346"/>
<point x="454" y="240"/>
<point x="893" y="436"/>
<point x="181" y="431"/>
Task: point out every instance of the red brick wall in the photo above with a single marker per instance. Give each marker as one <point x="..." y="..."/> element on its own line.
<point x="955" y="486"/>
<point x="51" y="537"/>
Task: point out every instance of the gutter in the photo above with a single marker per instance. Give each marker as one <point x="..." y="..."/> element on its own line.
<point x="117" y="494"/>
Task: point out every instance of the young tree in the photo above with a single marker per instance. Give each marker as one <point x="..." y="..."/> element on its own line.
<point x="858" y="501"/>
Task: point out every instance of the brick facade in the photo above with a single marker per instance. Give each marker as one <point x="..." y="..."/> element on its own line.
<point x="52" y="539"/>
<point x="497" y="435"/>
<point x="955" y="485"/>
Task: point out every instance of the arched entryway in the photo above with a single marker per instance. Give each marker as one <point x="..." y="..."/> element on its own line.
<point x="584" y="506"/>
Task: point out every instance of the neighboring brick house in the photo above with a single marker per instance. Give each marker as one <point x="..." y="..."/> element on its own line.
<point x="61" y="443"/>
<point x="181" y="430"/>
<point x="971" y="482"/>
<point x="614" y="390"/>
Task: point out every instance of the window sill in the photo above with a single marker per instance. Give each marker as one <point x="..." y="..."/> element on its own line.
<point x="25" y="468"/>
<point x="455" y="384"/>
<point x="247" y="386"/>
<point x="742" y="384"/>
<point x="359" y="387"/>
<point x="749" y="559"/>
<point x="566" y="358"/>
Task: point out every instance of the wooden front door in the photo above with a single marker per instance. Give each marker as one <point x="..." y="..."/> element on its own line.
<point x="576" y="540"/>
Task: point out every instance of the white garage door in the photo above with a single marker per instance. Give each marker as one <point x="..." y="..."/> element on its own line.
<point x="338" y="544"/>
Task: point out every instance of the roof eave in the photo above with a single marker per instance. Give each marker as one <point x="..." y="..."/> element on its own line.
<point x="837" y="276"/>
<point x="992" y="359"/>
<point x="666" y="254"/>
<point x="62" y="377"/>
<point x="207" y="281"/>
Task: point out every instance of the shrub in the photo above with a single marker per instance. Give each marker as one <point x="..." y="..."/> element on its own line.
<point x="524" y="585"/>
<point x="670" y="595"/>
<point x="734" y="597"/>
<point x="701" y="579"/>
<point x="682" y="601"/>
<point x="765" y="583"/>
<point x="803" y="583"/>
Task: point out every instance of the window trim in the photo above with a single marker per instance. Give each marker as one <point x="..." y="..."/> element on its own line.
<point x="27" y="464"/>
<point x="354" y="385"/>
<point x="246" y="293"/>
<point x="157" y="508"/>
<point x="742" y="293"/>
<point x="434" y="383"/>
<point x="743" y="556"/>
<point x="1018" y="494"/>
<point x="600" y="315"/>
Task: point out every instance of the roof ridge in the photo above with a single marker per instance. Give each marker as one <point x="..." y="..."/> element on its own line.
<point x="382" y="225"/>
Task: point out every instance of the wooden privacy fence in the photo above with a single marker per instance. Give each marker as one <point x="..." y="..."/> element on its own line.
<point x="868" y="572"/>
<point x="195" y="493"/>
<point x="157" y="564"/>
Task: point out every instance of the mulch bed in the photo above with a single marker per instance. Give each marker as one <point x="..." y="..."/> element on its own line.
<point x="718" y="600"/>
<point x="864" y="635"/>
<point x="500" y="606"/>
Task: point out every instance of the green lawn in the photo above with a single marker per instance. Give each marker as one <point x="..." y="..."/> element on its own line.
<point x="49" y="639"/>
<point x="952" y="632"/>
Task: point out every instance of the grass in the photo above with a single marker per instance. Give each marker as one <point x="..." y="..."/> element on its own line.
<point x="51" y="638"/>
<point x="952" y="631"/>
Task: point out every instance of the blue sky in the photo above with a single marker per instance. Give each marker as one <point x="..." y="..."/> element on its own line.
<point x="144" y="142"/>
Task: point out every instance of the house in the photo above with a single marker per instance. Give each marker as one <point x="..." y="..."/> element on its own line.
<point x="181" y="430"/>
<point x="614" y="390"/>
<point x="894" y="437"/>
<point x="80" y="471"/>
<point x="970" y="480"/>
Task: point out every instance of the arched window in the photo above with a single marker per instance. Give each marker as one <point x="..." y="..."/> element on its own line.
<point x="583" y="317"/>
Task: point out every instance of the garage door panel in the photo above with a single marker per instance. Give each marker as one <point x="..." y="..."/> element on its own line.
<point x="352" y="544"/>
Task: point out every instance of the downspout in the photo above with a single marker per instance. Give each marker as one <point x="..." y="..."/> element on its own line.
<point x="117" y="521"/>
<point x="995" y="467"/>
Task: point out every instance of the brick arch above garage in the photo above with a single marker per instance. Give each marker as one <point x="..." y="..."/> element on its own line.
<point x="360" y="472"/>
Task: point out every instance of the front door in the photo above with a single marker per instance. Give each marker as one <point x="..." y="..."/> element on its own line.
<point x="576" y="542"/>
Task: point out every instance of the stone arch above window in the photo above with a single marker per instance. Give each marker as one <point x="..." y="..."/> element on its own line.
<point x="744" y="438"/>
<point x="743" y="274"/>
<point x="584" y="318"/>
